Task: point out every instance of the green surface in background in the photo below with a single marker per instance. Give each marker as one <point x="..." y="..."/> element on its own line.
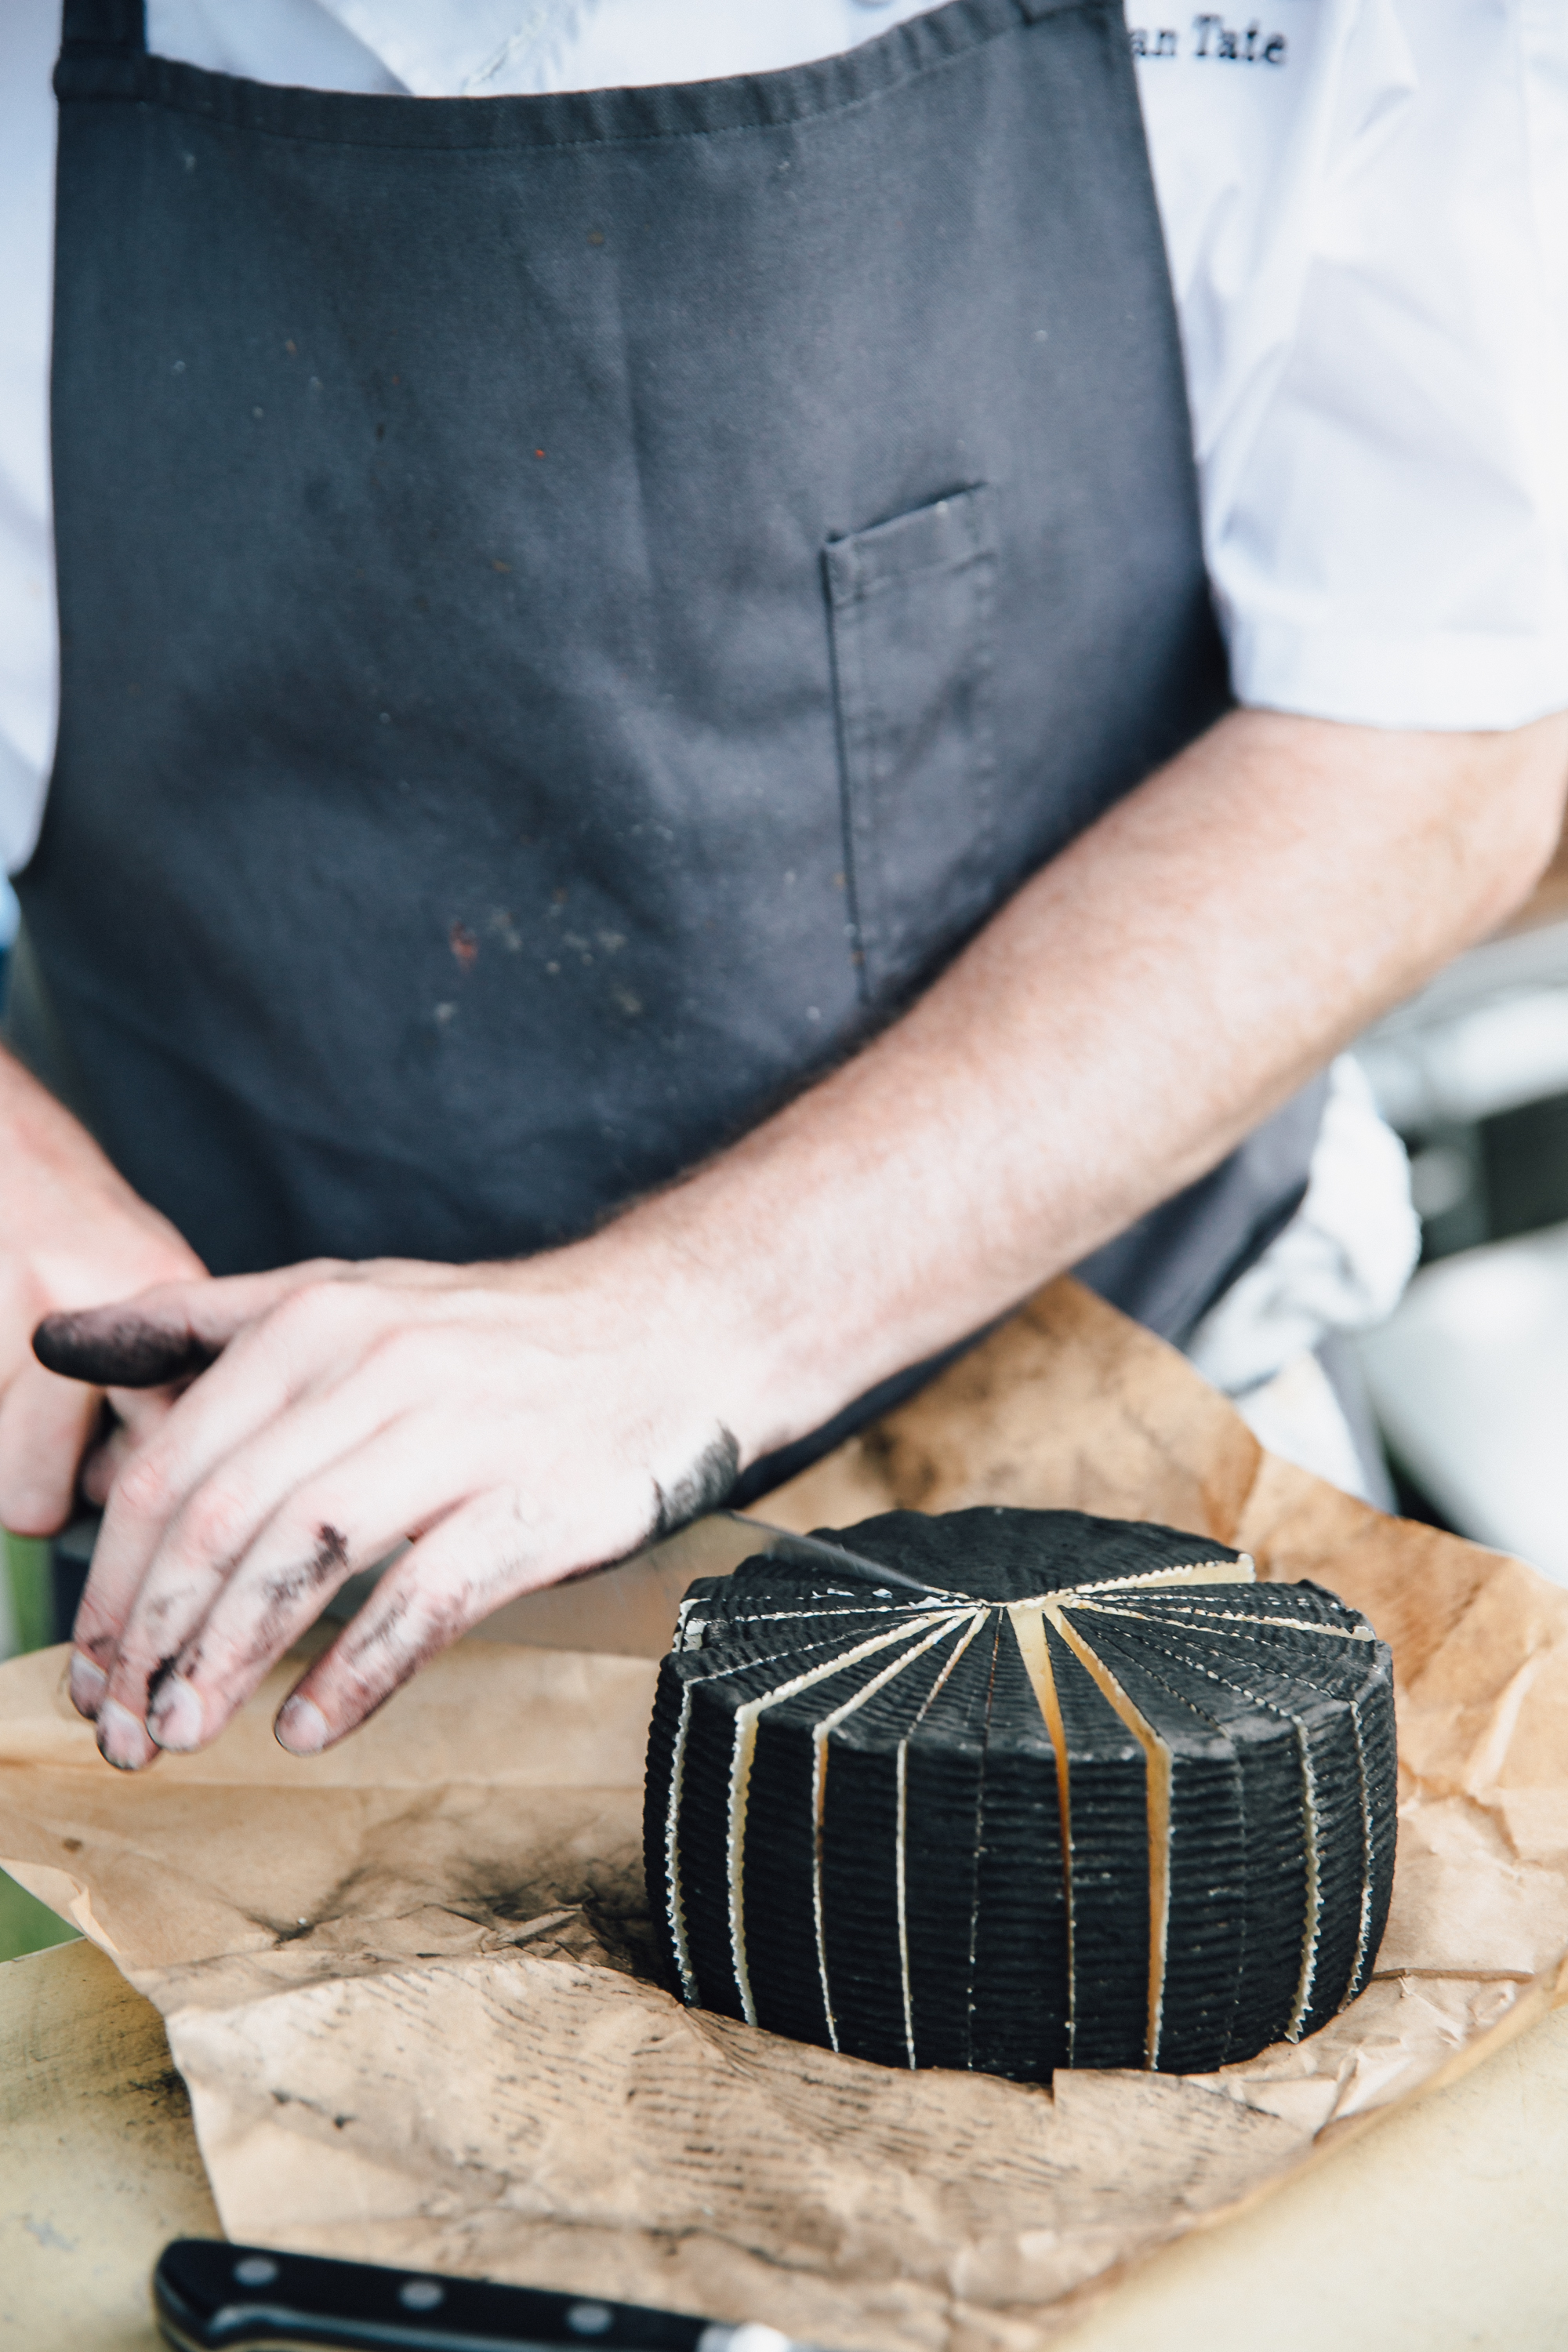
<point x="27" y="1925"/>
<point x="32" y="1606"/>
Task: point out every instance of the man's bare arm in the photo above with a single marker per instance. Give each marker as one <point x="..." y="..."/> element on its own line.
<point x="1139" y="1007"/>
<point x="1133" y="1011"/>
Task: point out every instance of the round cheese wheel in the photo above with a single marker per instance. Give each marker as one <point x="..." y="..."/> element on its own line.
<point x="1091" y="1796"/>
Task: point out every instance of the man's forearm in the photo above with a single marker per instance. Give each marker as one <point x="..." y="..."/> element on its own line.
<point x="1131" y="1014"/>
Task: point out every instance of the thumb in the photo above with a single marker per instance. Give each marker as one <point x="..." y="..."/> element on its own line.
<point x="167" y="1335"/>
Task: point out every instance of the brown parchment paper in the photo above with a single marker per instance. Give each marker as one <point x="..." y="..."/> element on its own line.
<point x="403" y="1982"/>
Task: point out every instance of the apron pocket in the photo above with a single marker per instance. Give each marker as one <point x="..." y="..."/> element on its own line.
<point x="910" y="608"/>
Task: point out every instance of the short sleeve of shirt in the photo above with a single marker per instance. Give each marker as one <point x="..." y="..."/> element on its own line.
<point x="1365" y="206"/>
<point x="29" y="36"/>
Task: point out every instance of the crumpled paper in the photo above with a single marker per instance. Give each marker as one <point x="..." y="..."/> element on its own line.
<point x="409" y="1983"/>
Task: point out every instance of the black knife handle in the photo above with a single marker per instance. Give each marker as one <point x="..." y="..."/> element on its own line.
<point x="209" y="2295"/>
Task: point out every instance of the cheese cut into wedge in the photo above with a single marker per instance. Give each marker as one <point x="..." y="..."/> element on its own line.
<point x="1097" y="1798"/>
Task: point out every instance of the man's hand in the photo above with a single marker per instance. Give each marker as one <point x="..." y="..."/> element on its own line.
<point x="1137" y="1007"/>
<point x="517" y="1423"/>
<point x="72" y="1233"/>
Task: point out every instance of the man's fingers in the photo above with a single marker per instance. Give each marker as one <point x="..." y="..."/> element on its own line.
<point x="200" y="1638"/>
<point x="479" y="1557"/>
<point x="46" y="1426"/>
<point x="133" y="1417"/>
<point x="183" y="1473"/>
<point x="165" y="1335"/>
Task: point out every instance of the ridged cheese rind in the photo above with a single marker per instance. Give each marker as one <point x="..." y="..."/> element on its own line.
<point x="1096" y="1799"/>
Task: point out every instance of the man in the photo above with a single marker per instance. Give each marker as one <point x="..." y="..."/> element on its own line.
<point x="634" y="639"/>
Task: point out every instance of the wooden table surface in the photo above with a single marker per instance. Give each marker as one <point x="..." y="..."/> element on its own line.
<point x="1446" y="2227"/>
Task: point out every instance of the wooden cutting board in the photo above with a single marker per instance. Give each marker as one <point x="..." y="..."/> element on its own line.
<point x="1441" y="2229"/>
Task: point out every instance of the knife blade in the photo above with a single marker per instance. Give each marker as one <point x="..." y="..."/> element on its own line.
<point x="818" y="1552"/>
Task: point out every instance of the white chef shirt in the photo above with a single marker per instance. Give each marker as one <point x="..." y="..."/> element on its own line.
<point x="1365" y="204"/>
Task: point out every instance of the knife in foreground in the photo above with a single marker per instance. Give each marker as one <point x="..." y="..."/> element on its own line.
<point x="209" y="2295"/>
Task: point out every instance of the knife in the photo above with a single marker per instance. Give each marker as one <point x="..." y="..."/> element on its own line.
<point x="633" y="1607"/>
<point x="209" y="2295"/>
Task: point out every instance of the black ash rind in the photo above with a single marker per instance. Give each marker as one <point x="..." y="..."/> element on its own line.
<point x="1100" y="1800"/>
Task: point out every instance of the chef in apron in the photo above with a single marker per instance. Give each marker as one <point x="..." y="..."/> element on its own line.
<point x="647" y="829"/>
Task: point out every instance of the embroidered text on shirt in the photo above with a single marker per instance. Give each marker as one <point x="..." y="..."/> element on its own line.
<point x="1213" y="37"/>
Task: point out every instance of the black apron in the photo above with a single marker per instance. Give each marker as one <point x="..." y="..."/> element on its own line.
<point x="574" y="608"/>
